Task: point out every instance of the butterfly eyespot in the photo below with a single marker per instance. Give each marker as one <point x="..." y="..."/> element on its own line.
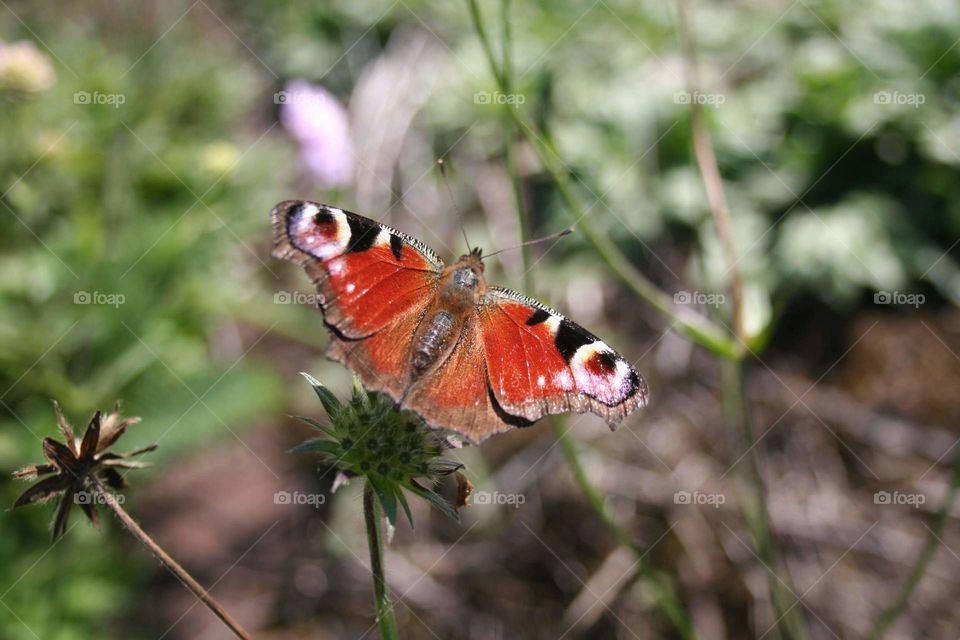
<point x="602" y="363"/>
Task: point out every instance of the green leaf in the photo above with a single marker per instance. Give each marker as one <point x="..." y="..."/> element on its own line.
<point x="436" y="501"/>
<point x="757" y="315"/>
<point x="327" y="429"/>
<point x="388" y="498"/>
<point x="321" y="445"/>
<point x="359" y="393"/>
<point x="329" y="401"/>
<point x="406" y="505"/>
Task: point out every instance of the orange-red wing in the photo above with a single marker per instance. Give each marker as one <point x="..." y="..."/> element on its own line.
<point x="539" y="363"/>
<point x="456" y="395"/>
<point x="382" y="359"/>
<point x="367" y="274"/>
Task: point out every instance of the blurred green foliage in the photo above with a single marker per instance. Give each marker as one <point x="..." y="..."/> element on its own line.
<point x="835" y="124"/>
<point x="131" y="235"/>
<point x="835" y="127"/>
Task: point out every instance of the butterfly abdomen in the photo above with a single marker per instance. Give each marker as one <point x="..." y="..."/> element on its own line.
<point x="433" y="342"/>
<point x="442" y="325"/>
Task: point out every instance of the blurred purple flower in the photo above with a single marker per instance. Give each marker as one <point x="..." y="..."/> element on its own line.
<point x="317" y="120"/>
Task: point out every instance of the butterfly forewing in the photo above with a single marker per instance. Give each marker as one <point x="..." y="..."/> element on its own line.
<point x="374" y="283"/>
<point x="366" y="273"/>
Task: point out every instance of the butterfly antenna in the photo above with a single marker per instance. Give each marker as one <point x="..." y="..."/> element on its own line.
<point x="446" y="182"/>
<point x="552" y="236"/>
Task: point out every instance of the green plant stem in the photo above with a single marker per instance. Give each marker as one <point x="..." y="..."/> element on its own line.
<point x="495" y="68"/>
<point x="709" y="170"/>
<point x="695" y="326"/>
<point x="900" y="602"/>
<point x="188" y="581"/>
<point x="509" y="138"/>
<point x="736" y="409"/>
<point x="661" y="583"/>
<point x="381" y="593"/>
<point x="789" y="619"/>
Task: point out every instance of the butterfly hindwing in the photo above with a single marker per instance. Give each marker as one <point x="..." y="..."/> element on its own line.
<point x="381" y="360"/>
<point x="539" y="363"/>
<point x="456" y="395"/>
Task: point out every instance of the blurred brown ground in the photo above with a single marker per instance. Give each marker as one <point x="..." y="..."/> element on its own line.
<point x="832" y="434"/>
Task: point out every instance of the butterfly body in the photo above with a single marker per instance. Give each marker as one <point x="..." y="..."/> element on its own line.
<point x="461" y="289"/>
<point x="466" y="356"/>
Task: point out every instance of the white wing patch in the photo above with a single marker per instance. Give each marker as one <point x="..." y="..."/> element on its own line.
<point x="553" y="323"/>
<point x="383" y="238"/>
<point x="320" y="241"/>
<point x="601" y="373"/>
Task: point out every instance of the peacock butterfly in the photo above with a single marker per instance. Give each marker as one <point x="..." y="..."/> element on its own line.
<point x="466" y="356"/>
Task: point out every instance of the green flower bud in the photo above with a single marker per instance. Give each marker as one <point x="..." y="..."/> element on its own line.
<point x="369" y="435"/>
